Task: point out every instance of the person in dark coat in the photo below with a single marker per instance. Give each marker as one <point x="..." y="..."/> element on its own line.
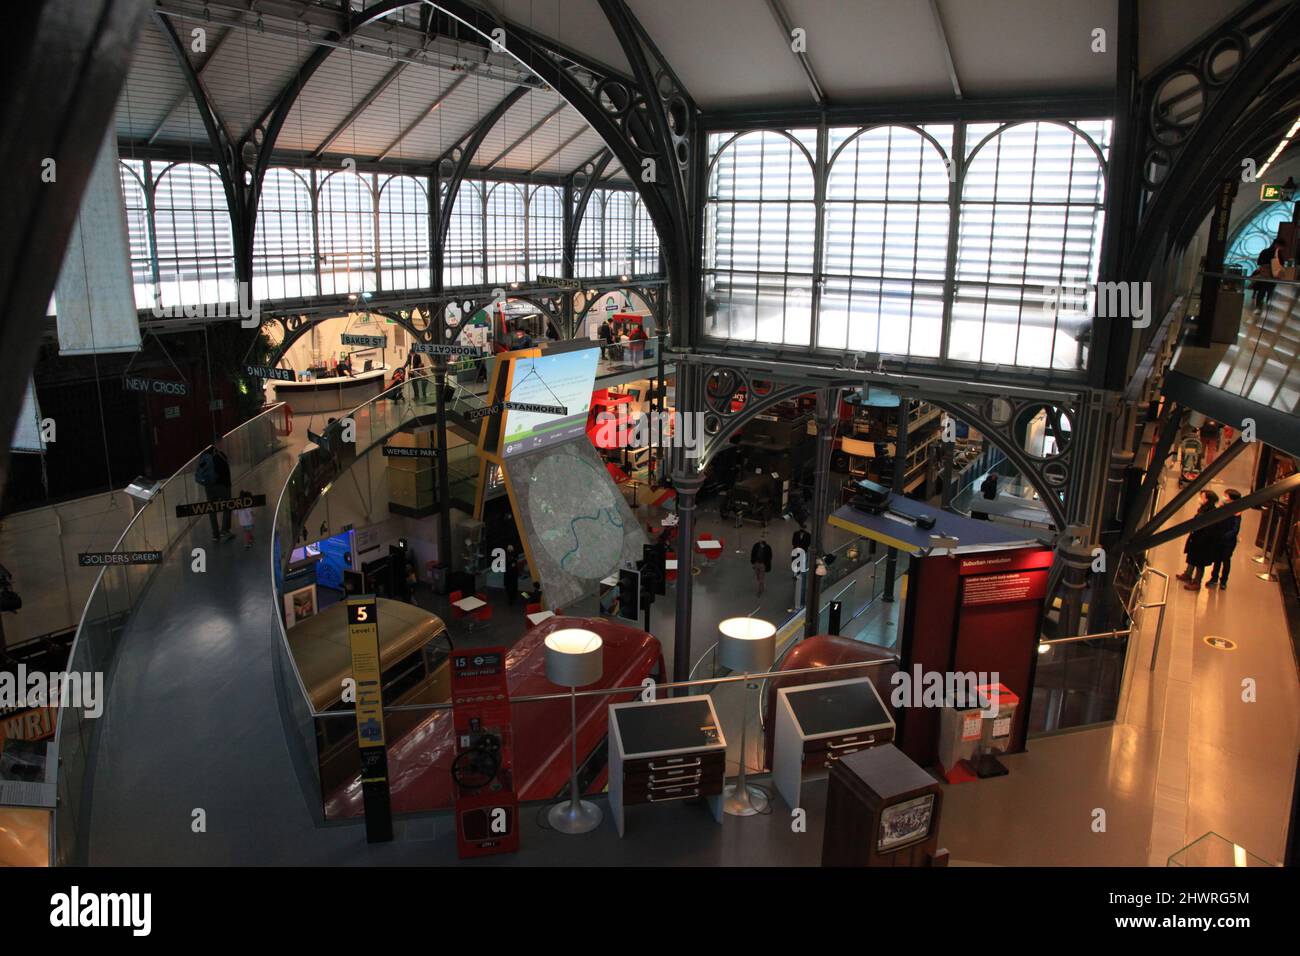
<point x="989" y="487"/>
<point x="212" y="473"/>
<point x="1202" y="547"/>
<point x="1231" y="527"/>
<point x="760" y="556"/>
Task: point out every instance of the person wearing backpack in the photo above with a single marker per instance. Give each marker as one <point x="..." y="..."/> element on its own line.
<point x="213" y="475"/>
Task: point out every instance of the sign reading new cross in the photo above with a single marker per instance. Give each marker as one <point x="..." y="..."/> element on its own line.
<point x="429" y="348"/>
<point x="368" y="341"/>
<point x="266" y="371"/>
<point x="155" y="386"/>
<point x="98" y="559"/>
<point x="217" y="505"/>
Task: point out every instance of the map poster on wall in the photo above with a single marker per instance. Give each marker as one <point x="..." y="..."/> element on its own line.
<point x="579" y="526"/>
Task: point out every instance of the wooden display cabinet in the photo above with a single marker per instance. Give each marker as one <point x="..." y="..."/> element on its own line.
<point x="882" y="810"/>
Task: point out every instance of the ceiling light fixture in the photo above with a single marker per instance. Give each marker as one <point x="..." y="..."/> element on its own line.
<point x="1285" y="142"/>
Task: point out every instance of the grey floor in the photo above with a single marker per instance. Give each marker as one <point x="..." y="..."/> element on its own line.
<point x="191" y="724"/>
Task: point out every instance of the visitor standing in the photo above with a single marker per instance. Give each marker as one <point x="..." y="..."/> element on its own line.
<point x="1230" y="528"/>
<point x="213" y="475"/>
<point x="760" y="556"/>
<point x="1202" y="547"/>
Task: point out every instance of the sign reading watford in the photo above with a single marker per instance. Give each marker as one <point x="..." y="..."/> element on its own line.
<point x="400" y="451"/>
<point x="266" y="371"/>
<point x="218" y="505"/>
<point x="559" y="283"/>
<point x="99" y="559"/>
<point x="154" y="386"/>
<point x="368" y="341"/>
<point x="429" y="348"/>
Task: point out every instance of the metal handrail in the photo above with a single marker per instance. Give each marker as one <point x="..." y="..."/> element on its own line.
<point x="139" y="516"/>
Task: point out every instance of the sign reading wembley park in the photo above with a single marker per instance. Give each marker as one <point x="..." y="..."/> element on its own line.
<point x="217" y="505"/>
<point x="367" y="341"/>
<point x="402" y="451"/>
<point x="431" y="349"/>
<point x="266" y="371"/>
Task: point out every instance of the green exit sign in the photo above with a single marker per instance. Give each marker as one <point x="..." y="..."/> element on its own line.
<point x="1270" y="192"/>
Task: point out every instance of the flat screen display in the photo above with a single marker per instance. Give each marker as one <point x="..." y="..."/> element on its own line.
<point x="565" y="380"/>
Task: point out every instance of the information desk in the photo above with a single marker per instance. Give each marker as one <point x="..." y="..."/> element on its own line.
<point x="330" y="394"/>
<point x="663" y="751"/>
<point x="818" y="724"/>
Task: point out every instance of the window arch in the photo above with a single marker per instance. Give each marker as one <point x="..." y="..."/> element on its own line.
<point x="589" y="252"/>
<point x="347" y="233"/>
<point x="132" y="172"/>
<point x="760" y="237"/>
<point x="403" y="233"/>
<point x="885" y="247"/>
<point x="194" y="236"/>
<point x="505" y="230"/>
<point x="462" y="257"/>
<point x="1254" y="235"/>
<point x="546" y="231"/>
<point x="618" y="233"/>
<point x="645" y="240"/>
<point x="1031" y="223"/>
<point x="284" y="247"/>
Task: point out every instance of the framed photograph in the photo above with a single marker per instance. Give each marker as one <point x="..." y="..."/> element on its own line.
<point x="299" y="605"/>
<point x="905" y="823"/>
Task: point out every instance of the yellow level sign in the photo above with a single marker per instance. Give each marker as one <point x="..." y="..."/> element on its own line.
<point x="363" y="637"/>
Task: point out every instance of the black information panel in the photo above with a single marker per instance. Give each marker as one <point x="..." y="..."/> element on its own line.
<point x="684" y="725"/>
<point x="824" y="710"/>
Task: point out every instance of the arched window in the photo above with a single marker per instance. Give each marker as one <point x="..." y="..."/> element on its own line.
<point x="196" y="251"/>
<point x="403" y="233"/>
<point x="645" y="241"/>
<point x="589" y="253"/>
<point x="1252" y="237"/>
<point x="462" y="258"/>
<point x="545" y="231"/>
<point x="504" y="233"/>
<point x="131" y="172"/>
<point x="284" y="249"/>
<point x="618" y="233"/>
<point x="347" y="233"/>
<point x="886" y="241"/>
<point x="760" y="237"/>
<point x="1031" y="224"/>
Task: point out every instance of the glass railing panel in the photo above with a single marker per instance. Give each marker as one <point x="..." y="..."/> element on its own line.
<point x="1077" y="684"/>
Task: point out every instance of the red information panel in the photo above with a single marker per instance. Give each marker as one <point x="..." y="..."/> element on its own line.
<point x="487" y="809"/>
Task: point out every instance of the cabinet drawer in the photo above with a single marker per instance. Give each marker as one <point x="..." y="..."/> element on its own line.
<point x="679" y="765"/>
<point x="829" y="749"/>
<point x="644" y="791"/>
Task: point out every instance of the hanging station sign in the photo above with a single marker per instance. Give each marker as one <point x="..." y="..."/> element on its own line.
<point x="402" y="451"/>
<point x="366" y="341"/>
<point x="571" y="284"/>
<point x="99" y="559"/>
<point x="266" y="371"/>
<point x="217" y="505"/>
<point x="155" y="386"/>
<point x="429" y="348"/>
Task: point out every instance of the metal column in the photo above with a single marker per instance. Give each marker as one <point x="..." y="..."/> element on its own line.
<point x="827" y="412"/>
